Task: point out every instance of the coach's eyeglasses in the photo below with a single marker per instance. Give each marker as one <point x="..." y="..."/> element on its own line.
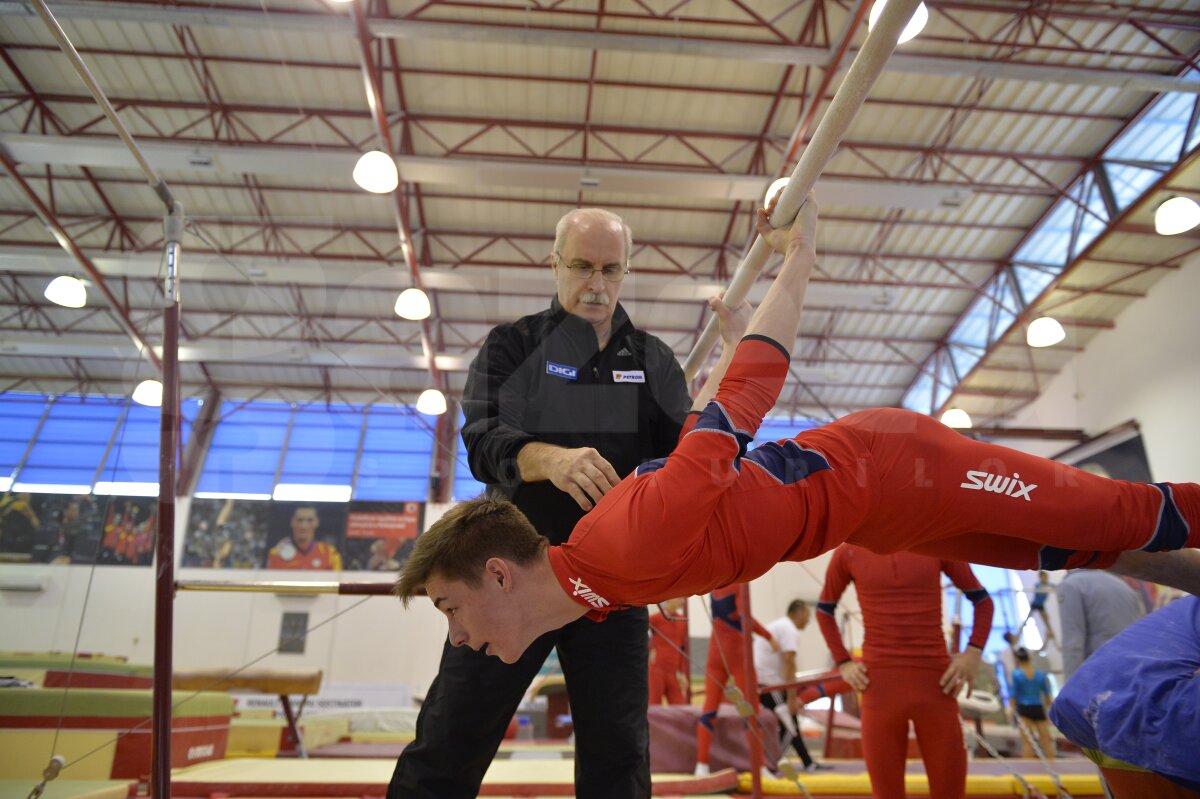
<point x="612" y="273"/>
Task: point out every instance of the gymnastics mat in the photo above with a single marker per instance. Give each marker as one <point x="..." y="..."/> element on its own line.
<point x="330" y="778"/>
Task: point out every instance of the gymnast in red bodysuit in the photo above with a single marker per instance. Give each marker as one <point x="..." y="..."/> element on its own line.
<point x="713" y="513"/>
<point x="906" y="674"/>
<point x="726" y="658"/>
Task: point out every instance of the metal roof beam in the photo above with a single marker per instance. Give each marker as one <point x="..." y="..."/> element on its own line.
<point x="336" y="165"/>
<point x="465" y="33"/>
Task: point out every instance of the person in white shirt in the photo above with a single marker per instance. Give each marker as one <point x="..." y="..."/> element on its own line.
<point x="776" y="666"/>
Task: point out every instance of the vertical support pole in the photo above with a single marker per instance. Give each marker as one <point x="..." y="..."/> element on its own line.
<point x="445" y="454"/>
<point x="755" y="729"/>
<point x="168" y="447"/>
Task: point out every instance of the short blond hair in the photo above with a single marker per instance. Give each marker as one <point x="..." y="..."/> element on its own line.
<point x="456" y="546"/>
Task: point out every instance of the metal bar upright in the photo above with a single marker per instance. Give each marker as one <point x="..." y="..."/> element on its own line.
<point x="164" y="560"/>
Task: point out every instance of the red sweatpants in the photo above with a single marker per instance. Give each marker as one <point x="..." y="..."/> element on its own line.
<point x="895" y="696"/>
<point x="951" y="497"/>
<point x="664" y="684"/>
<point x="725" y="659"/>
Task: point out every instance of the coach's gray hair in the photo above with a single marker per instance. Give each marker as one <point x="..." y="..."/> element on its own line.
<point x="583" y="215"/>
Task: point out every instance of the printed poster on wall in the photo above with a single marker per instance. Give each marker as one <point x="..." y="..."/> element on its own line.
<point x="77" y="528"/>
<point x="226" y="533"/>
<point x="380" y="535"/>
<point x="321" y="536"/>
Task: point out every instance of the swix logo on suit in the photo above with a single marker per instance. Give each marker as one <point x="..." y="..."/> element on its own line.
<point x="998" y="484"/>
<point x="591" y="597"/>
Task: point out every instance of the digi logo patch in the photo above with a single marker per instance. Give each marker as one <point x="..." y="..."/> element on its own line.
<point x="559" y="370"/>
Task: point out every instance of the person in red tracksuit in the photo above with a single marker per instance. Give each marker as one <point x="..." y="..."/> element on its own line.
<point x="669" y="671"/>
<point x="715" y="513"/>
<point x="906" y="674"/>
<point x="726" y="658"/>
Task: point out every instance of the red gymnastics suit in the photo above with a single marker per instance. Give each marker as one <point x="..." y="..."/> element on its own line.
<point x="890" y="480"/>
<point x="904" y="651"/>
<point x="667" y="637"/>
<point x="726" y="658"/>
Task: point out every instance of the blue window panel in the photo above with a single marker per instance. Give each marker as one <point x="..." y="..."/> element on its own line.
<point x="131" y="476"/>
<point x="79" y="455"/>
<point x="947" y="380"/>
<point x="124" y="457"/>
<point x="920" y="395"/>
<point x="964" y="357"/>
<point x="257" y="413"/>
<point x="392" y="489"/>
<point x="1050" y="241"/>
<point x="1033" y="281"/>
<point x="241" y="482"/>
<point x="251" y="460"/>
<point x="57" y="475"/>
<point x="335" y="437"/>
<point x="1092" y="224"/>
<point x="138" y="433"/>
<point x="979" y="325"/>
<point x="337" y="466"/>
<point x="11" y="453"/>
<point x="19" y="417"/>
<point x="381" y="472"/>
<point x="1158" y="135"/>
<point x="1129" y="182"/>
<point x="465" y="484"/>
<point x="247" y="436"/>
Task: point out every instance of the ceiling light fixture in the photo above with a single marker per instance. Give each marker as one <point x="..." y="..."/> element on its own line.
<point x="1177" y="215"/>
<point x="431" y="402"/>
<point x="67" y="291"/>
<point x="376" y="172"/>
<point x="413" y="304"/>
<point x="957" y="418"/>
<point x="148" y="393"/>
<point x="914" y="26"/>
<point x="1045" y="331"/>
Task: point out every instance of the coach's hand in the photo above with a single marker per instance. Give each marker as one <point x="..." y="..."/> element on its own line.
<point x="855" y="674"/>
<point x="962" y="669"/>
<point x="582" y="472"/>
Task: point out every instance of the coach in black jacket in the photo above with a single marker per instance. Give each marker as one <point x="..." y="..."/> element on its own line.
<point x="560" y="406"/>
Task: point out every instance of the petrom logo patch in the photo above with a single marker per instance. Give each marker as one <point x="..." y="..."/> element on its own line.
<point x="560" y="370"/>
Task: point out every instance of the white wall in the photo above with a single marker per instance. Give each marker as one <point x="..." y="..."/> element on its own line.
<point x="1146" y="369"/>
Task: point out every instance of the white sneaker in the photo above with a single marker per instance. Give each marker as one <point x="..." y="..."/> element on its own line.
<point x="701" y="770"/>
<point x="766" y="774"/>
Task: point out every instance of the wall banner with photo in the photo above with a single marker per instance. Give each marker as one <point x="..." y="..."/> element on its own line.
<point x="77" y="528"/>
<point x="308" y="536"/>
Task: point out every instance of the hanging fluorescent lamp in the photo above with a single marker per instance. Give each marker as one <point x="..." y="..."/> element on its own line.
<point x="148" y="393"/>
<point x="431" y="402"/>
<point x="1045" y="331"/>
<point x="914" y="26"/>
<point x="67" y="291"/>
<point x="1177" y="215"/>
<point x="413" y="304"/>
<point x="956" y="417"/>
<point x="376" y="172"/>
<point x="775" y="186"/>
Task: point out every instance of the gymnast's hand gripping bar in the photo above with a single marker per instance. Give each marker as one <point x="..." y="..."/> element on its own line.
<point x="861" y="76"/>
